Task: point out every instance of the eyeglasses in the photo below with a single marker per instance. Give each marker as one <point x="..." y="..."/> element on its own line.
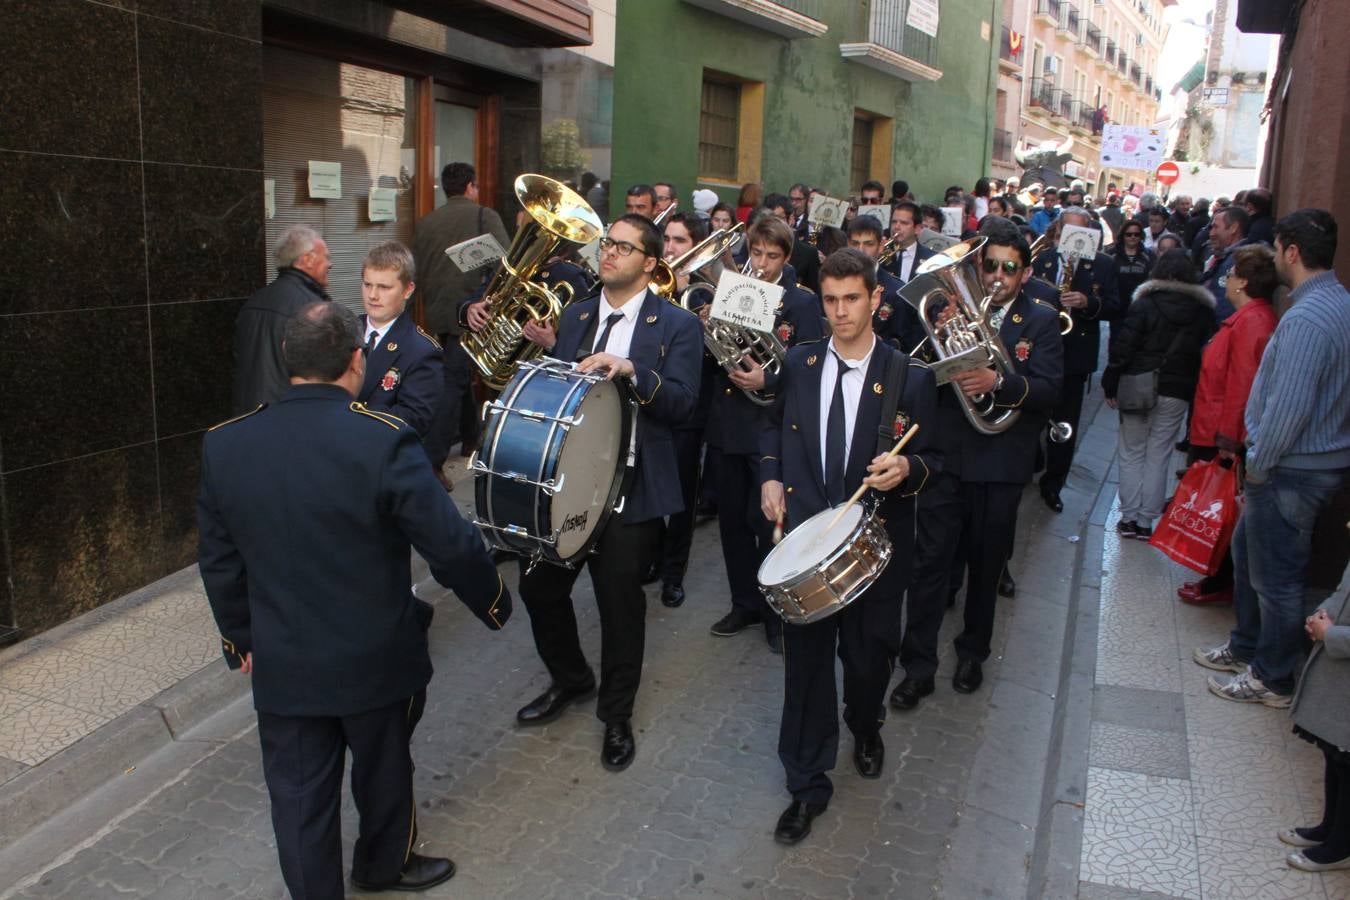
<point x="1008" y="266"/>
<point x="664" y="199"/>
<point x="623" y="248"/>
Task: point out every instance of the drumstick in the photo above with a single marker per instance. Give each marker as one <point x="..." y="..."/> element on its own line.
<point x="778" y="528"/>
<point x="863" y="487"/>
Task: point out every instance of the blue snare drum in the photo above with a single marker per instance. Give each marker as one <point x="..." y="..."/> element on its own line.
<point x="552" y="460"/>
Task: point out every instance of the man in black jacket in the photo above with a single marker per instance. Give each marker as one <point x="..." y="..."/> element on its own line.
<point x="307" y="515"/>
<point x="302" y="277"/>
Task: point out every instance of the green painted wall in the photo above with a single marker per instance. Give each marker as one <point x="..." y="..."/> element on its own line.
<point x="942" y="132"/>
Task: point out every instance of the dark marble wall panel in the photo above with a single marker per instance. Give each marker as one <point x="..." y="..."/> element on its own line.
<point x="90" y="533"/>
<point x="205" y="232"/>
<point x="75" y="383"/>
<point x="192" y="349"/>
<point x="73" y="231"/>
<point x="218" y="122"/>
<point x="68" y="83"/>
<point x="242" y="18"/>
<point x="180" y="466"/>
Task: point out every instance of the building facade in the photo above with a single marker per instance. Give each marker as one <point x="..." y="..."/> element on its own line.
<point x="1068" y="67"/>
<point x="152" y="152"/>
<point x="718" y="93"/>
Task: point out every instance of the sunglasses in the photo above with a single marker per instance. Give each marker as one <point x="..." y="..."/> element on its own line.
<point x="1007" y="266"/>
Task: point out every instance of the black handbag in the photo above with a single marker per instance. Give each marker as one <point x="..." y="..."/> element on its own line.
<point x="1138" y="392"/>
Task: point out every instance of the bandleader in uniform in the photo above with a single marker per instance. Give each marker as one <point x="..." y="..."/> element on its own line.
<point x="841" y="405"/>
<point x="972" y="503"/>
<point x="628" y="332"/>
<point x="404" y="371"/>
<point x="307" y="515"/>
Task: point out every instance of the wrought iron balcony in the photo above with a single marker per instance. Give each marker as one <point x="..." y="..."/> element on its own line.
<point x="1048" y="11"/>
<point x="892" y="46"/>
<point x="791" y="19"/>
<point x="1110" y="54"/>
<point x="1064" y="104"/>
<point x="1092" y="39"/>
<point x="1042" y="94"/>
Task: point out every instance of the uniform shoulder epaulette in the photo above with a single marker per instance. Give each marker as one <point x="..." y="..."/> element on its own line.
<point x="389" y="419"/>
<point x="435" y="343"/>
<point x="920" y="363"/>
<point x="801" y="287"/>
<point x="260" y="407"/>
<point x="808" y="343"/>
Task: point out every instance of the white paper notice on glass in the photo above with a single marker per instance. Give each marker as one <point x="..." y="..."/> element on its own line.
<point x="827" y="212"/>
<point x="475" y="252"/>
<point x="749" y="302"/>
<point x="923" y="16"/>
<point x="879" y="211"/>
<point x="270" y="197"/>
<point x="325" y="180"/>
<point x="951" y="220"/>
<point x="1133" y="147"/>
<point x="382" y="205"/>
<point x="1077" y="242"/>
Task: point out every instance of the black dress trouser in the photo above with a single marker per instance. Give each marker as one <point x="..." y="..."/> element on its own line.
<point x="747" y="537"/>
<point x="679" y="531"/>
<point x="446" y="424"/>
<point x="623" y="555"/>
<point x="1059" y="457"/>
<point x="303" y="759"/>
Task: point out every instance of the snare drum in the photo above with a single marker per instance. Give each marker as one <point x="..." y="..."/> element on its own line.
<point x="814" y="573"/>
<point x="552" y="460"/>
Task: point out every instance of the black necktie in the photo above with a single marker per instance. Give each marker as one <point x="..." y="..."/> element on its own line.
<point x="601" y="344"/>
<point x="370" y="344"/>
<point x="834" y="439"/>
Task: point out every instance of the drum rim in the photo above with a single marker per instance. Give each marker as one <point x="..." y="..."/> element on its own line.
<point x="860" y="525"/>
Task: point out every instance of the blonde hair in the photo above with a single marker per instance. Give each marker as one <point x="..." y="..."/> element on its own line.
<point x="392" y="255"/>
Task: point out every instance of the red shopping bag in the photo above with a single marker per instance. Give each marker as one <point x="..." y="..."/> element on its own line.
<point x="1199" y="522"/>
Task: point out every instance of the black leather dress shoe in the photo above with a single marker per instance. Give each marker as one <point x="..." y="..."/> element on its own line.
<point x="1051" y="498"/>
<point x="672" y="595"/>
<point x="969" y="676"/>
<point x="419" y="873"/>
<point x="1006" y="586"/>
<point x="619" y="748"/>
<point x="910" y="691"/>
<point x="795" y="822"/>
<point x="868" y="755"/>
<point x="734" y="622"/>
<point x="551" y="704"/>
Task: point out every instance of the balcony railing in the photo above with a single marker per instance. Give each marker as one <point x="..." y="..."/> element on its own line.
<point x="1062" y="24"/>
<point x="1092" y="37"/>
<point x="1122" y="62"/>
<point x="791" y="19"/>
<point x="1110" y="52"/>
<point x="1073" y="21"/>
<point x="1136" y="75"/>
<point x="1048" y="9"/>
<point x="1064" y="104"/>
<point x="1003" y="145"/>
<point x="1148" y="84"/>
<point x="1042" y="93"/>
<point x="892" y="46"/>
<point x="1005" y="50"/>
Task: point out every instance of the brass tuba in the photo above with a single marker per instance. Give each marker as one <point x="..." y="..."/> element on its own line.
<point x="730" y="345"/>
<point x="951" y="302"/>
<point x="558" y="217"/>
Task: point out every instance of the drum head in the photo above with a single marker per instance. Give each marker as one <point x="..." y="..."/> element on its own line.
<point x="809" y="544"/>
<point x="592" y="457"/>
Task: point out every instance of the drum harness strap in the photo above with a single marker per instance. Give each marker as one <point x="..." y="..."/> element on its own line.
<point x="897" y="372"/>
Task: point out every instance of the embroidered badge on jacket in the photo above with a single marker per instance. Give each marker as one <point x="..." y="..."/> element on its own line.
<point x="1023" y="349"/>
<point x="902" y="422"/>
<point x="884" y="311"/>
<point x="391" y="380"/>
<point x="785" y="331"/>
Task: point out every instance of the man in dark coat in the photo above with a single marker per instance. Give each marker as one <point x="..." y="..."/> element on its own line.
<point x="307" y="515"/>
<point x="302" y="276"/>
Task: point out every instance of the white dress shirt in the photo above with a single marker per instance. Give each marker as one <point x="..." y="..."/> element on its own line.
<point x="372" y="328"/>
<point x="854" y="377"/>
<point x="906" y="265"/>
<point x="621" y="335"/>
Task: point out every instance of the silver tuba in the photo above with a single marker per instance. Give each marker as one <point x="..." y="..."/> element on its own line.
<point x="730" y="345"/>
<point x="951" y="302"/>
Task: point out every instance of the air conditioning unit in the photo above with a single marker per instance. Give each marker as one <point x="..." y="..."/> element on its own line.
<point x="1052" y="65"/>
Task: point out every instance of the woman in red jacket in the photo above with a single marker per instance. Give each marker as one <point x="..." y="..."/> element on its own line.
<point x="1226" y="374"/>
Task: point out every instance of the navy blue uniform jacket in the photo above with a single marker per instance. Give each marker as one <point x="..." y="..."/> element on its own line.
<point x="790" y="439"/>
<point x="736" y="420"/>
<point x="893" y="266"/>
<point x="1096" y="279"/>
<point x="405" y="374"/>
<point x="307" y="515"/>
<point x="667" y="354"/>
<point x="1030" y="332"/>
<point x="895" y="321"/>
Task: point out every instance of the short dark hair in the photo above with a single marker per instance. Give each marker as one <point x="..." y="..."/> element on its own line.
<point x="778" y="201"/>
<point x="638" y="190"/>
<point x="1313" y="231"/>
<point x="1159" y="211"/>
<point x="1175" y="265"/>
<point x="848" y="263"/>
<point x="723" y="207"/>
<point x="930" y="211"/>
<point x="456" y="178"/>
<point x="695" y="224"/>
<point x="998" y="236"/>
<point x="873" y="186"/>
<point x="982" y="187"/>
<point x="673" y="193"/>
<point x="770" y="230"/>
<point x="651" y="235"/>
<point x="868" y="224"/>
<point x="915" y="212"/>
<point x="992" y="224"/>
<point x="800" y="186"/>
<point x="319" y="340"/>
<point x="899" y="188"/>
<point x="1255" y="263"/>
<point x="1236" y="215"/>
<point x="830" y="239"/>
<point x="1261" y="201"/>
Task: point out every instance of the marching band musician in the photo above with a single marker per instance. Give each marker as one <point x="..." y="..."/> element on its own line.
<point x="1091" y="297"/>
<point x="840" y="406"/>
<point x="734" y="428"/>
<point x="628" y="332"/>
<point x="906" y="223"/>
<point x="972" y="503"/>
<point x="894" y="320"/>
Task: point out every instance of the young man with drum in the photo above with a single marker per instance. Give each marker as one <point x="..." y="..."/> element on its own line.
<point x="627" y="332"/>
<point x="838" y="403"/>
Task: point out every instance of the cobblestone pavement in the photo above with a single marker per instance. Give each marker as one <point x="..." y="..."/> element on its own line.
<point x="531" y="814"/>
